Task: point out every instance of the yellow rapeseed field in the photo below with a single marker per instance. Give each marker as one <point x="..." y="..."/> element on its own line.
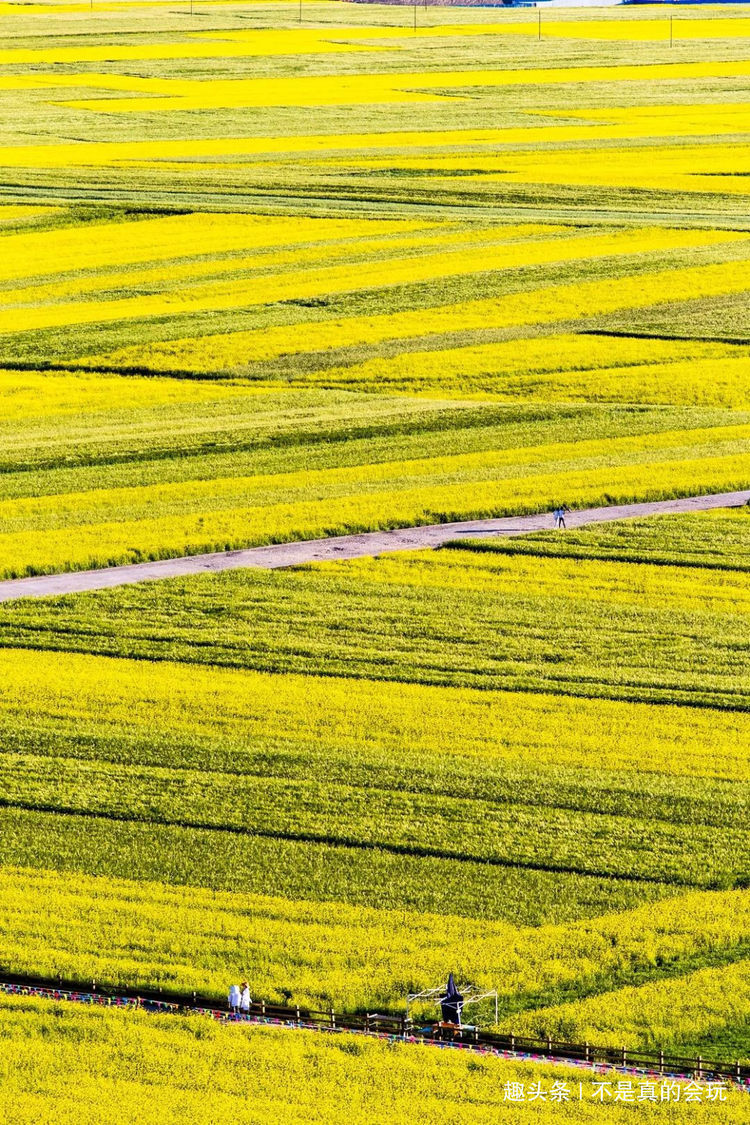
<point x="273" y="271"/>
<point x="411" y="718"/>
<point x="189" y="938"/>
<point x="85" y="1061"/>
<point x="417" y="88"/>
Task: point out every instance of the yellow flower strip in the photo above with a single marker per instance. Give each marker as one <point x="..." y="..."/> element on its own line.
<point x="107" y="244"/>
<point x="27" y="395"/>
<point x="708" y="382"/>
<point x="380" y="273"/>
<point x="162" y="1071"/>
<point x="352" y="249"/>
<point x="646" y="586"/>
<point x="114" y="930"/>
<point x="82" y="530"/>
<point x="265" y="43"/>
<point x="592" y="368"/>
<point x="654" y="1013"/>
<point x="161" y="95"/>
<point x="648" y="30"/>
<point x="699" y="168"/>
<point x="411" y="719"/>
<point x="506" y="468"/>
<point x="547" y="305"/>
<point x="12" y="212"/>
<point x="601" y="124"/>
<point x="270" y="42"/>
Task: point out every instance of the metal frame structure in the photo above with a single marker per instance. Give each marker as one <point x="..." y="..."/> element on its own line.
<point x="470" y="996"/>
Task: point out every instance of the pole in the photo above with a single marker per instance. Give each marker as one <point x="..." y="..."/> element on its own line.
<point x="539" y="15"/>
<point x="671" y="32"/>
<point x="415" y="15"/>
<point x="300" y="11"/>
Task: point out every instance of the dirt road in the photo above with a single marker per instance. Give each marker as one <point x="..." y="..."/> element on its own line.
<point x="345" y="547"/>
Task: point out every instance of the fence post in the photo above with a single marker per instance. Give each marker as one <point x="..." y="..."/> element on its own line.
<point x="262" y="1007"/>
<point x="297" y="1013"/>
<point x="332" y="1017"/>
<point x="549" y="1046"/>
<point x="661" y="1062"/>
<point x="737" y="1070"/>
<point x="699" y="1069"/>
<point x="512" y="1042"/>
<point x="587" y="1052"/>
<point x="624" y="1057"/>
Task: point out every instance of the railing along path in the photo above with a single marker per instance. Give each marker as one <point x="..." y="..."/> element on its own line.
<point x="384" y="1025"/>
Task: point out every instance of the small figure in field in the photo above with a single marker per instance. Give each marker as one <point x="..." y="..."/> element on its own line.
<point x="559" y="514"/>
<point x="234" y="999"/>
<point x="245" y="1000"/>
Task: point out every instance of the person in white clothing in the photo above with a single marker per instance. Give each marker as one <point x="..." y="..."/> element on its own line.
<point x="245" y="1000"/>
<point x="234" y="998"/>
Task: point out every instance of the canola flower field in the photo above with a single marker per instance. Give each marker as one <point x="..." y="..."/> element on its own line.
<point x="565" y="819"/>
<point x="224" y="1074"/>
<point x="272" y="273"/>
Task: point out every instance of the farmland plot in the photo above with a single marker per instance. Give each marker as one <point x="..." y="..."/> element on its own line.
<point x="332" y="734"/>
<point x="264" y="278"/>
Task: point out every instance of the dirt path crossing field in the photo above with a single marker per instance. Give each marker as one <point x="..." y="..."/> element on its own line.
<point x="346" y="546"/>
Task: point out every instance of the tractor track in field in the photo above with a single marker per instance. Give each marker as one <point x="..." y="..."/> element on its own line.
<point x="359" y="545"/>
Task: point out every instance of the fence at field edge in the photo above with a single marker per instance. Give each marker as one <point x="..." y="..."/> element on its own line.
<point x="381" y="1024"/>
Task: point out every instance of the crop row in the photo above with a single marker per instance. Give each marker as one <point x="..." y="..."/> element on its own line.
<point x="478" y="367"/>
<point x="672" y="589"/>
<point x="166" y="96"/>
<point x="526" y="244"/>
<point x="318" y="872"/>
<point x="387" y="733"/>
<point x="168" y="238"/>
<point x="87" y="1060"/>
<point x="230" y="431"/>
<point x="147" y="934"/>
<point x="100" y="526"/>
<point x="642" y="777"/>
<point x="685" y="1009"/>
<point x="578" y="299"/>
<point x="713" y="382"/>
<point x="599" y="628"/>
<point x="612" y="122"/>
<point x="461" y="828"/>
<point x="377" y="273"/>
<point x="57" y="421"/>
<point x="670" y="167"/>
<point x="711" y="540"/>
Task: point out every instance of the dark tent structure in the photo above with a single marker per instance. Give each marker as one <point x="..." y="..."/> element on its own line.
<point x="452" y="1003"/>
